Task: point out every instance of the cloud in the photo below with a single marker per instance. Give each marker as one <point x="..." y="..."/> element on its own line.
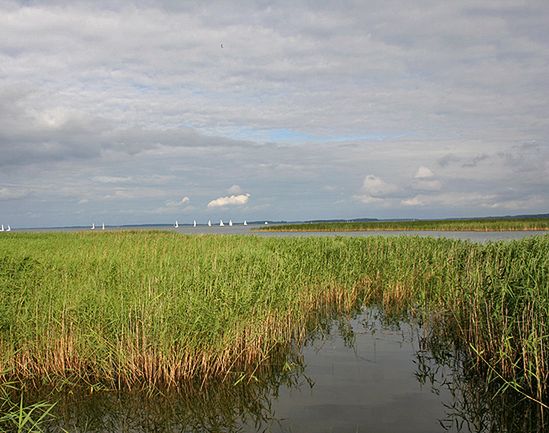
<point x="375" y="190"/>
<point x="235" y="189"/>
<point x="534" y="201"/>
<point x="377" y="187"/>
<point x="427" y="184"/>
<point x="466" y="161"/>
<point x="368" y="199"/>
<point x="233" y="200"/>
<point x="343" y="90"/>
<point x="112" y="179"/>
<point x="414" y="201"/>
<point x="134" y="193"/>
<point x="424" y="180"/>
<point x="473" y="162"/>
<point x="184" y="201"/>
<point x="447" y="159"/>
<point x="423" y="173"/>
<point x="12" y="193"/>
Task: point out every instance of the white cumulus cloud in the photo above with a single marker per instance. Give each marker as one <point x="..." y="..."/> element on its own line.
<point x="424" y="173"/>
<point x="377" y="187"/>
<point x="231" y="200"/>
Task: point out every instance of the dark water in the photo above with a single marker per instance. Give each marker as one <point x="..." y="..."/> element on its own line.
<point x="249" y="230"/>
<point x="355" y="375"/>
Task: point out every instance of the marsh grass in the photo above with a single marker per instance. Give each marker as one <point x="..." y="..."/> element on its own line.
<point x="138" y="309"/>
<point x="476" y="225"/>
<point x="18" y="416"/>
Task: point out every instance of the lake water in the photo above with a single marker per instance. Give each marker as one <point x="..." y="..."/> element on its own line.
<point x="358" y="375"/>
<point x="250" y="230"/>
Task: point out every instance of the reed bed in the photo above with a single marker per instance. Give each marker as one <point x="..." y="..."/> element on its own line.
<point x="133" y="309"/>
<point x="476" y="225"/>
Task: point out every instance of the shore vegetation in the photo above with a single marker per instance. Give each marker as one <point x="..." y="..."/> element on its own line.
<point x="137" y="309"/>
<point x="476" y="225"/>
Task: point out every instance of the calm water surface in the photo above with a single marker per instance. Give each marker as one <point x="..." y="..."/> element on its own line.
<point x="364" y="380"/>
<point x="249" y="230"/>
<point x="356" y="375"/>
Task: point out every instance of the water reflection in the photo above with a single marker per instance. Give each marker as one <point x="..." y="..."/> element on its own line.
<point x="365" y="373"/>
<point x="477" y="404"/>
<point x="241" y="403"/>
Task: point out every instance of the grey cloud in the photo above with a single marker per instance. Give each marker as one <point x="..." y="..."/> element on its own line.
<point x="141" y="90"/>
<point x="447" y="159"/>
<point x="463" y="161"/>
<point x="28" y="136"/>
<point x="473" y="162"/>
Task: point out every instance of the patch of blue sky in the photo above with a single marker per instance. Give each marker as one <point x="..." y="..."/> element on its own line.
<point x="284" y="135"/>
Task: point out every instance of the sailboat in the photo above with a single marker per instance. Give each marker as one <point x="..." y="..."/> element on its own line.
<point x="194" y="223"/>
<point x="176" y="224"/>
<point x="230" y="223"/>
<point x="221" y="223"/>
<point x="2" y="229"/>
<point x="209" y="223"/>
<point x="245" y="223"/>
<point x="8" y="229"/>
<point x="103" y="226"/>
<point x="266" y="223"/>
<point x="93" y="226"/>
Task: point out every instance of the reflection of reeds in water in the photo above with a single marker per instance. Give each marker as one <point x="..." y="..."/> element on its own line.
<point x="150" y="308"/>
<point x="476" y="404"/>
<point x="216" y="406"/>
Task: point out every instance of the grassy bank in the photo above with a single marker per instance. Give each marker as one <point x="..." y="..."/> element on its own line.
<point x="134" y="308"/>
<point x="478" y="225"/>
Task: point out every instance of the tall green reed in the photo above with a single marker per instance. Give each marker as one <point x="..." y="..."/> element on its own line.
<point x="129" y="308"/>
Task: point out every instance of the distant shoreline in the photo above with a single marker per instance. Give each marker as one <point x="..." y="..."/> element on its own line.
<point x="473" y="225"/>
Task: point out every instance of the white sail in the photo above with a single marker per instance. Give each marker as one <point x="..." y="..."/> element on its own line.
<point x="2" y="229"/>
<point x="245" y="223"/>
<point x="221" y="223"/>
<point x="194" y="223"/>
<point x="93" y="226"/>
<point x="209" y="223"/>
<point x="176" y="224"/>
<point x="230" y="223"/>
<point x="103" y="226"/>
<point x="8" y="229"/>
<point x="266" y="223"/>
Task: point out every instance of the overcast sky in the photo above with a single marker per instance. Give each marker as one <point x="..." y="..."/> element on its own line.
<point x="151" y="111"/>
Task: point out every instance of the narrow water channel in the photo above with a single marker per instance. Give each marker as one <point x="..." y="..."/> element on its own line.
<point x="355" y="375"/>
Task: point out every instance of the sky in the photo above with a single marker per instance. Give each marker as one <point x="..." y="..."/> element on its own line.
<point x="129" y="112"/>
